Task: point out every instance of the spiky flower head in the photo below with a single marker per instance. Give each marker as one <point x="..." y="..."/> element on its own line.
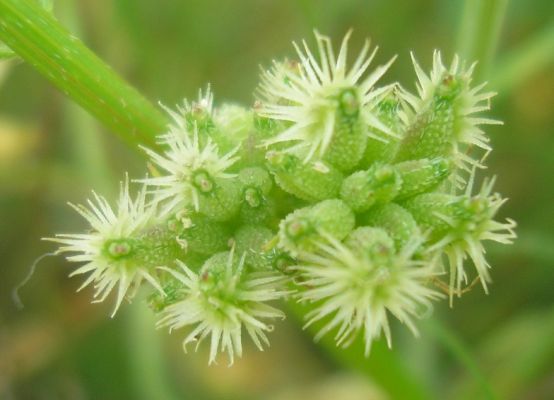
<point x="309" y="93"/>
<point x="303" y="229"/>
<point x="358" y="283"/>
<point x="469" y="221"/>
<point x="192" y="165"/>
<point x="193" y="114"/>
<point x="350" y="189"/>
<point x="451" y="87"/>
<point x="222" y="300"/>
<point x="111" y="252"/>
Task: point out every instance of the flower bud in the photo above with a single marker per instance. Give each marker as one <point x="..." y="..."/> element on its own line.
<point x="364" y="189"/>
<point x="250" y="241"/>
<point x="255" y="178"/>
<point x="355" y="286"/>
<point x="121" y="250"/>
<point x="222" y="300"/>
<point x="396" y="221"/>
<point x="222" y="201"/>
<point x="458" y="225"/>
<point x="369" y="240"/>
<point x="419" y="176"/>
<point x="444" y="124"/>
<point x="349" y="137"/>
<point x="321" y="101"/>
<point x="311" y="182"/>
<point x="257" y="206"/>
<point x="158" y="246"/>
<point x="199" y="234"/>
<point x="195" y="115"/>
<point x="303" y="229"/>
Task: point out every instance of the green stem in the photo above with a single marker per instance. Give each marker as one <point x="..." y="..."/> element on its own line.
<point x="479" y="31"/>
<point x="146" y="359"/>
<point x="453" y="344"/>
<point x="384" y="366"/>
<point x="39" y="39"/>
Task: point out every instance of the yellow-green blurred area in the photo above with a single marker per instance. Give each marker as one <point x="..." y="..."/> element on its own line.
<point x="59" y="346"/>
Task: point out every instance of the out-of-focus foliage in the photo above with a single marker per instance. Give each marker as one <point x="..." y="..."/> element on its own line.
<point x="60" y="346"/>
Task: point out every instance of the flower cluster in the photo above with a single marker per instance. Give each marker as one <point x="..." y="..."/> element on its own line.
<point x="352" y="198"/>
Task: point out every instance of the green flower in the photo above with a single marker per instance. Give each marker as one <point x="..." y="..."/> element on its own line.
<point x="351" y="190"/>
<point x="221" y="300"/>
<point x="193" y="166"/>
<point x="115" y="252"/>
<point x="446" y="120"/>
<point x="356" y="285"/>
<point x="457" y="227"/>
<point x="324" y="102"/>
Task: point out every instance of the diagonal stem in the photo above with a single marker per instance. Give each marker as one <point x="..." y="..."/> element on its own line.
<point x="39" y="39"/>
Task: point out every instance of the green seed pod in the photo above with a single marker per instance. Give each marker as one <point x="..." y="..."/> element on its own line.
<point x="425" y="209"/>
<point x="255" y="178"/>
<point x="303" y="229"/>
<point x="250" y="240"/>
<point x="349" y="137"/>
<point x="263" y="215"/>
<point x="257" y="207"/>
<point x="214" y="270"/>
<point x="310" y="182"/>
<point x="370" y="240"/>
<point x="220" y="200"/>
<point x="454" y="216"/>
<point x="388" y="111"/>
<point x="458" y="225"/>
<point x="419" y="176"/>
<point x="444" y="123"/>
<point x="200" y="234"/>
<point x="333" y="217"/>
<point x="396" y="221"/>
<point x="429" y="135"/>
<point x="364" y="189"/>
<point x="158" y="247"/>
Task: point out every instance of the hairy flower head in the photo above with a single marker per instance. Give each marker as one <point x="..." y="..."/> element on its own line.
<point x="191" y="163"/>
<point x="309" y="93"/>
<point x="197" y="114"/>
<point x="470" y="221"/>
<point x="111" y="251"/>
<point x="359" y="284"/>
<point x="220" y="301"/>
<point x="453" y="85"/>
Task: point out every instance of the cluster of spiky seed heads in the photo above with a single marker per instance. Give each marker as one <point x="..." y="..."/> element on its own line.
<point x="354" y="198"/>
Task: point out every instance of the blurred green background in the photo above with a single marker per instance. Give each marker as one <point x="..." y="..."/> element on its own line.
<point x="62" y="347"/>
